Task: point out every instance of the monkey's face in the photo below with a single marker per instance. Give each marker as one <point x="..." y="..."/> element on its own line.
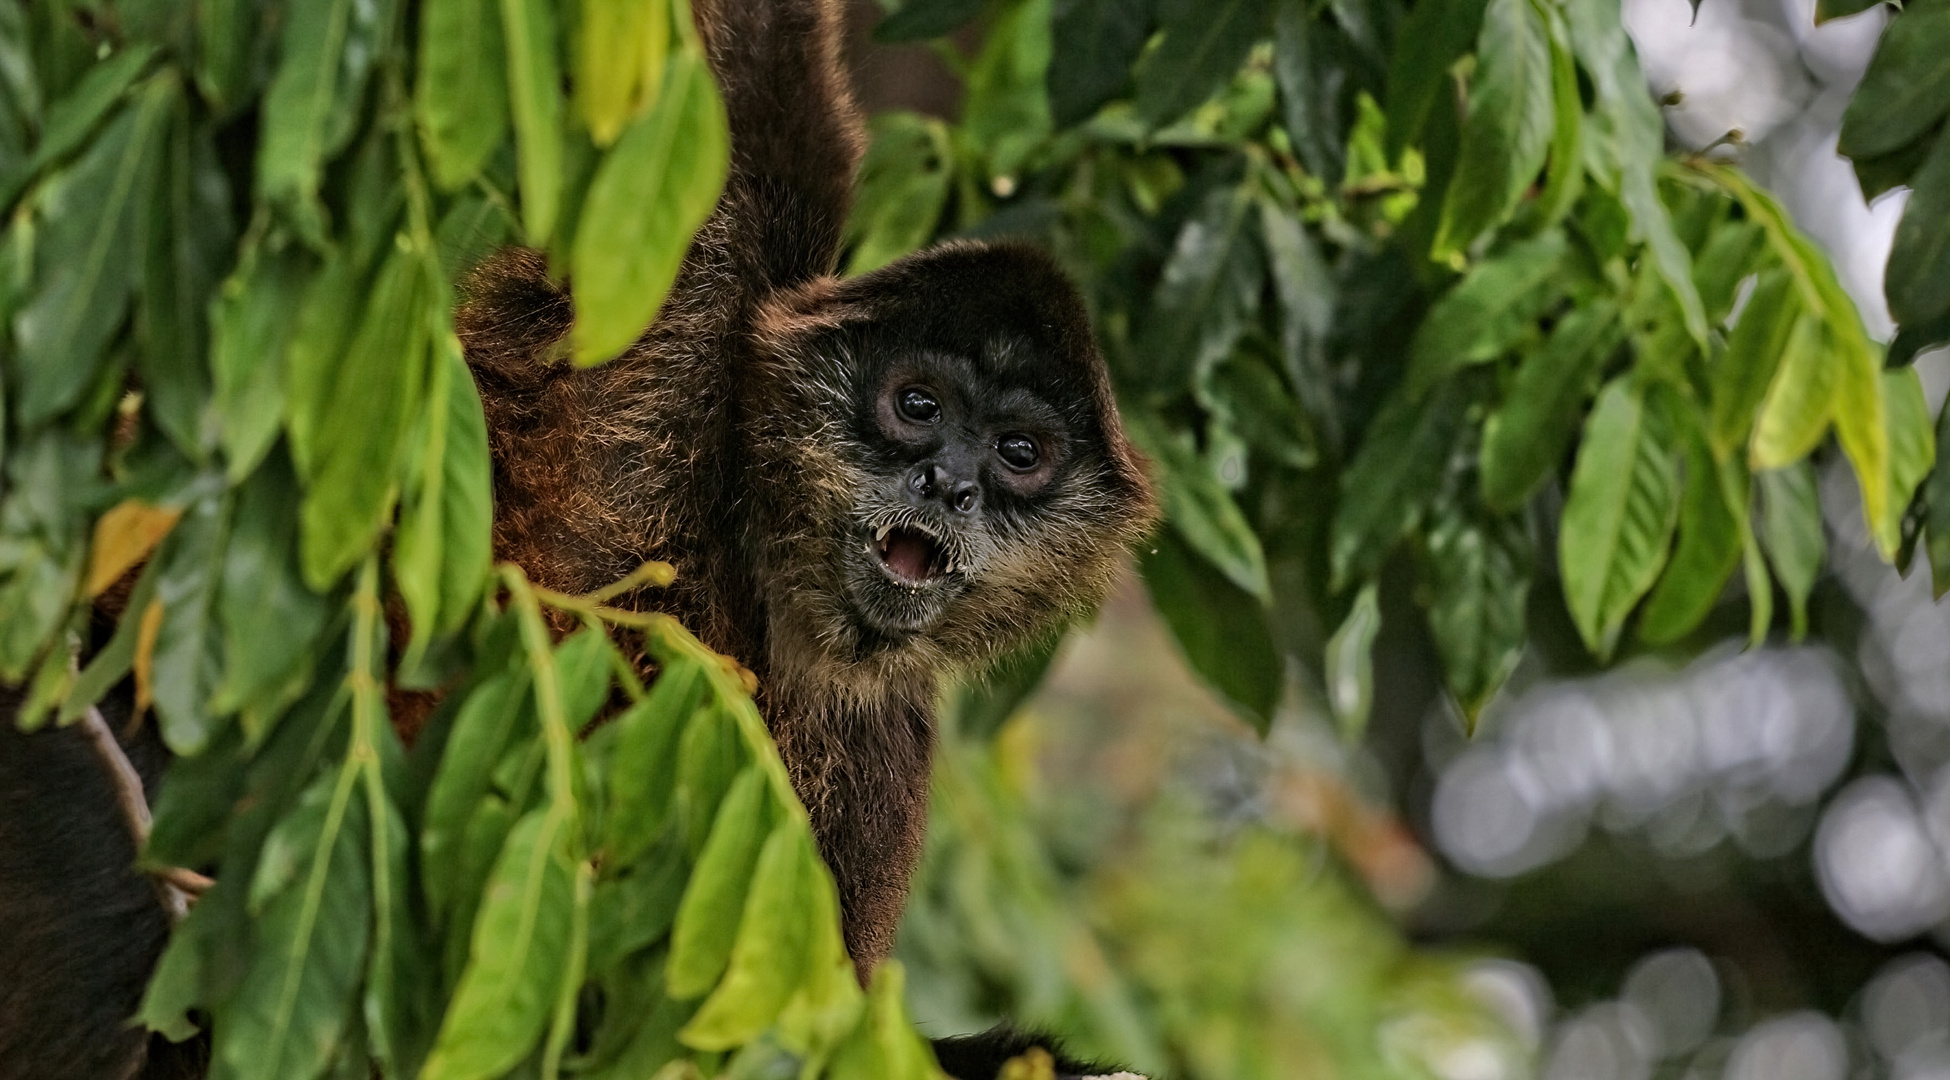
<point x="962" y="466"/>
<point x="959" y="480"/>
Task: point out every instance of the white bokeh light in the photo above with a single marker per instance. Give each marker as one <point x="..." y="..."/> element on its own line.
<point x="1878" y="867"/>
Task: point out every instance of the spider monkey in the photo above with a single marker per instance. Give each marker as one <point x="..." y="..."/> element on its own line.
<point x="863" y="483"/>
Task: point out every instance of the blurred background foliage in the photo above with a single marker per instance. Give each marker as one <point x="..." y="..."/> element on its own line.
<point x="1473" y="356"/>
<point x="1478" y="346"/>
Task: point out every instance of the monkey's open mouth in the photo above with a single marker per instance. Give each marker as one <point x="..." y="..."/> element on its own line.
<point x="912" y="555"/>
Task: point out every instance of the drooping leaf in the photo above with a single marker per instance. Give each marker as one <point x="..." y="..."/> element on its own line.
<point x="1509" y="128"/>
<point x="1430" y="40"/>
<point x="622" y="47"/>
<point x="1745" y="370"/>
<point x="1311" y="92"/>
<point x="535" y="99"/>
<point x="84" y="272"/>
<point x="1393" y="477"/>
<point x="1209" y="289"/>
<point x="186" y="242"/>
<point x="1203" y="45"/>
<point x="1709" y="548"/>
<point x="707" y="919"/>
<point x="1619" y="516"/>
<point x="73" y="118"/>
<point x="768" y="960"/>
<point x="314" y="892"/>
<point x="1203" y="511"/>
<point x="1840" y="9"/>
<point x="271" y="621"/>
<point x="1221" y="627"/>
<point x="311" y="108"/>
<point x="1885" y="172"/>
<point x="480" y="733"/>
<point x="645" y="762"/>
<point x="903" y="188"/>
<point x="1906" y="88"/>
<point x="1791" y="533"/>
<point x="650" y="193"/>
<point x="460" y="92"/>
<point x="186" y="664"/>
<point x="1478" y="577"/>
<point x="377" y="388"/>
<point x="1490" y="310"/>
<point x="1917" y="279"/>
<point x="251" y="327"/>
<point x="520" y="945"/>
<point x="1525" y="439"/>
<point x="442" y="553"/>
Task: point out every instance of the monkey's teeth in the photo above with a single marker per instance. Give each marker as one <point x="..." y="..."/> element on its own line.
<point x="880" y="534"/>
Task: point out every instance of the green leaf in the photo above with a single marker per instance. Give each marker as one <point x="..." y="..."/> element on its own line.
<point x="535" y="94"/>
<point x="1619" y="516"/>
<point x="1800" y="400"/>
<point x="479" y="736"/>
<point x="709" y="757"/>
<point x="1729" y="257"/>
<point x="884" y="1046"/>
<point x="1886" y="172"/>
<point x="1430" y="40"/>
<point x="1508" y="131"/>
<point x="1221" y="628"/>
<point x="1912" y="442"/>
<point x="1746" y="369"/>
<point x="1478" y="577"/>
<point x="984" y="703"/>
<point x="271" y="621"/>
<point x="918" y="19"/>
<point x="1709" y="548"/>
<point x="1565" y="181"/>
<point x="313" y="889"/>
<point x="1791" y="533"/>
<point x="398" y="978"/>
<point x="1494" y="306"/>
<point x="1906" y="88"/>
<point x="1525" y="439"/>
<point x="644" y="762"/>
<point x="1398" y="469"/>
<point x="251" y="326"/>
<point x="622" y="48"/>
<point x="1311" y="87"/>
<point x="1350" y="665"/>
<point x="630" y="912"/>
<point x="1203" y="45"/>
<point x="768" y="961"/>
<point x="1206" y="295"/>
<point x="460" y="88"/>
<point x="520" y="947"/>
<point x="1202" y="510"/>
<point x="1245" y="396"/>
<point x="443" y="552"/>
<point x="650" y="193"/>
<point x="903" y="188"/>
<point x="84" y="268"/>
<point x="72" y="119"/>
<point x="311" y="109"/>
<point x="1096" y="42"/>
<point x="707" y="919"/>
<point x="187" y="244"/>
<point x="186" y="664"/>
<point x="376" y="391"/>
<point x="1917" y="279"/>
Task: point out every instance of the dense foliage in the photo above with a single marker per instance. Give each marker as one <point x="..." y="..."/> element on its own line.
<point x="1373" y="280"/>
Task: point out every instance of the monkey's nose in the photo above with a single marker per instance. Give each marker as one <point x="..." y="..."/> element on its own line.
<point x="933" y="481"/>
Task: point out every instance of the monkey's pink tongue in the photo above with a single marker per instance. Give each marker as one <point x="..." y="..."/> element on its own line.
<point x="908" y="552"/>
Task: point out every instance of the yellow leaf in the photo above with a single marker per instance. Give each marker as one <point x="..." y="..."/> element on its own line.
<point x="124" y="537"/>
<point x="145" y="654"/>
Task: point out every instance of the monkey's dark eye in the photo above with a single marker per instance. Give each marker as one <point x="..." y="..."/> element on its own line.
<point x="1019" y="452"/>
<point x="919" y="406"/>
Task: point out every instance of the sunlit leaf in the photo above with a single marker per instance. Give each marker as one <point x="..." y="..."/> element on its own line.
<point x="1350" y="665"/>
<point x="1791" y="533"/>
<point x="1709" y="547"/>
<point x="535" y="95"/>
<point x="623" y="45"/>
<point x="707" y="919"/>
<point x="769" y="957"/>
<point x="651" y="191"/>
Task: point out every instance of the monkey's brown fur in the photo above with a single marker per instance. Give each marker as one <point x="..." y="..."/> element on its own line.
<point x="719" y="443"/>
